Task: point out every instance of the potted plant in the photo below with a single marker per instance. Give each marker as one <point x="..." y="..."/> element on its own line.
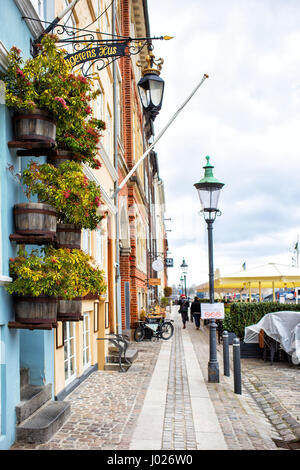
<point x="75" y="198"/>
<point x="49" y="285"/>
<point x="35" y="286"/>
<point x="36" y="91"/>
<point x="82" y="279"/>
<point x="33" y="218"/>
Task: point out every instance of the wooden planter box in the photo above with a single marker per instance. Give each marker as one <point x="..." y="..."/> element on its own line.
<point x="69" y="310"/>
<point x="68" y="236"/>
<point x="34" y="125"/>
<point x="35" y="310"/>
<point x="34" y="218"/>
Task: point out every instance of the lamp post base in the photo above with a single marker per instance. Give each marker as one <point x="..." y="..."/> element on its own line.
<point x="213" y="372"/>
<point x="213" y="365"/>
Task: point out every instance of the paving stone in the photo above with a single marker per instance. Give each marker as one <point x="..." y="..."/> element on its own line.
<point x="106" y="406"/>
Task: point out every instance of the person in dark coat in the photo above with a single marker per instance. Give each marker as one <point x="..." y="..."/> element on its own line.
<point x="184" y="309"/>
<point x="196" y="312"/>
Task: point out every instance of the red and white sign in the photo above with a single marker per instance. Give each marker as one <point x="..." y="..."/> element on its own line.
<point x="212" y="311"/>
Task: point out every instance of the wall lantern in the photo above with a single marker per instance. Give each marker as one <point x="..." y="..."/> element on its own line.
<point x="151" y="85"/>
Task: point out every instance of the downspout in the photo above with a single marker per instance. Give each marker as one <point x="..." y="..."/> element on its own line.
<point x="115" y="137"/>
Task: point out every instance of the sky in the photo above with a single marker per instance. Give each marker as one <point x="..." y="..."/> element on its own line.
<point x="245" y="116"/>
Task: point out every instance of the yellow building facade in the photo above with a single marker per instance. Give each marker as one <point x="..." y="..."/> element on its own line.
<point x="77" y="348"/>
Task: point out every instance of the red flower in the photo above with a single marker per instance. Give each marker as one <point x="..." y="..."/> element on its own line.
<point x="15" y="49"/>
<point x="20" y="73"/>
<point x="67" y="194"/>
<point x="82" y="79"/>
<point x="88" y="110"/>
<point x="62" y="102"/>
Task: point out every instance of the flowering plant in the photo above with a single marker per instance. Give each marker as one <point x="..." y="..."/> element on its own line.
<point x="46" y="82"/>
<point x="38" y="82"/>
<point x="81" y="139"/>
<point x="64" y="273"/>
<point x="66" y="188"/>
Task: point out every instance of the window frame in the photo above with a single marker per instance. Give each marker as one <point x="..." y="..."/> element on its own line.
<point x="86" y="346"/>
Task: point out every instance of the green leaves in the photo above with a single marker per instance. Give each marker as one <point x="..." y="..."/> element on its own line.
<point x="66" y="188"/>
<point x="244" y="314"/>
<point x="57" y="272"/>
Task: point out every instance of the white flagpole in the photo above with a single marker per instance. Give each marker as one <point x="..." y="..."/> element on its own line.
<point x="158" y="137"/>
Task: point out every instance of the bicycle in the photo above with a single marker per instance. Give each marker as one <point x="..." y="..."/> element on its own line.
<point x="162" y="329"/>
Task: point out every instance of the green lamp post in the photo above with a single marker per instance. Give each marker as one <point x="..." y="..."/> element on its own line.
<point x="209" y="189"/>
<point x="184" y="267"/>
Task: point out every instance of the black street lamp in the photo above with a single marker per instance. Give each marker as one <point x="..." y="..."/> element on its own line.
<point x="184" y="267"/>
<point x="209" y="189"/>
<point x="151" y="86"/>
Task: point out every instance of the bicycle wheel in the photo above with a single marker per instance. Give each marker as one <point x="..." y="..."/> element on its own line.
<point x="139" y="334"/>
<point x="167" y="330"/>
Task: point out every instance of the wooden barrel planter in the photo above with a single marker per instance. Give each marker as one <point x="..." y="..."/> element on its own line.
<point x="61" y="156"/>
<point x="69" y="310"/>
<point x="34" y="218"/>
<point x="35" y="310"/>
<point x="34" y="125"/>
<point x="68" y="236"/>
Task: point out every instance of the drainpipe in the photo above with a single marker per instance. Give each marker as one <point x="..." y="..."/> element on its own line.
<point x="115" y="135"/>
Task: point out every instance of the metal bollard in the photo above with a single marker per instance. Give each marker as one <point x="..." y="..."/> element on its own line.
<point x="237" y="366"/>
<point x="226" y="354"/>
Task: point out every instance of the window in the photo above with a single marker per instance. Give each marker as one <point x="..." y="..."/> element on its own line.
<point x="69" y="352"/>
<point x="106" y="25"/>
<point x="108" y="133"/>
<point x="86" y="358"/>
<point x="140" y="245"/>
<point x="98" y="13"/>
<point x="98" y="248"/>
<point x="86" y="241"/>
<point x="71" y="23"/>
<point x="99" y="104"/>
<point x="39" y="6"/>
<point x="119" y="107"/>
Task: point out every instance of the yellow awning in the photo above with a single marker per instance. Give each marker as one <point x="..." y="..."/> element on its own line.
<point x="270" y="275"/>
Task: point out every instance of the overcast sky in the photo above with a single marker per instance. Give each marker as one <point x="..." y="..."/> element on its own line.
<point x="246" y="116"/>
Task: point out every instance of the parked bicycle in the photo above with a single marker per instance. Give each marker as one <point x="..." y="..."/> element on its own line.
<point x="160" y="329"/>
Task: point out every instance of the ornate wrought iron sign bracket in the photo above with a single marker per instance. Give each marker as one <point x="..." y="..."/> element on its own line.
<point x="88" y="50"/>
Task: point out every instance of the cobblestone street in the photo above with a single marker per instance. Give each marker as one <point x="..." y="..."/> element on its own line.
<point x="105" y="408"/>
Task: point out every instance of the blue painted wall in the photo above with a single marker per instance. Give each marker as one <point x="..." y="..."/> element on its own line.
<point x="18" y="348"/>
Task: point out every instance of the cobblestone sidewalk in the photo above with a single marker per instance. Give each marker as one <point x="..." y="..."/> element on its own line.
<point x="178" y="431"/>
<point x="269" y="407"/>
<point x="105" y="407"/>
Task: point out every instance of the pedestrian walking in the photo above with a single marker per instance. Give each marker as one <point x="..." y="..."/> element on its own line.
<point x="184" y="309"/>
<point x="196" y="312"/>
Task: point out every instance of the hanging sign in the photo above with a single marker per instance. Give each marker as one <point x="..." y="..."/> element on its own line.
<point x="154" y="282"/>
<point x="158" y="265"/>
<point x="104" y="51"/>
<point x="169" y="262"/>
<point x="212" y="311"/>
